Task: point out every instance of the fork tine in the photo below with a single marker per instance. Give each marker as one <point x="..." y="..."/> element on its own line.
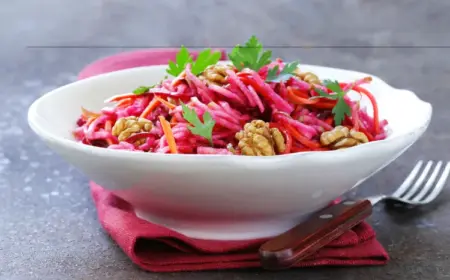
<point x="408" y="180"/>
<point x="429" y="183"/>
<point x="411" y="191"/>
<point x="439" y="185"/>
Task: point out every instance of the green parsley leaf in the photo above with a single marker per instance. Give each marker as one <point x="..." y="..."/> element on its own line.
<point x="333" y="86"/>
<point x="142" y="89"/>
<point x="197" y="127"/>
<point x="341" y="109"/>
<point x="272" y="74"/>
<point x="183" y="58"/>
<point x="204" y="59"/>
<point x="251" y="55"/>
<point x="287" y="72"/>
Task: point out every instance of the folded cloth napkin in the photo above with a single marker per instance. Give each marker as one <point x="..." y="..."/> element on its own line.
<point x="158" y="249"/>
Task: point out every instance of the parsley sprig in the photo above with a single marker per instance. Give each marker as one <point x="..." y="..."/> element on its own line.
<point x="341" y="109"/>
<point x="142" y="89"/>
<point x="284" y="75"/>
<point x="183" y="58"/>
<point x="198" y="127"/>
<point x="204" y="59"/>
<point x="251" y="55"/>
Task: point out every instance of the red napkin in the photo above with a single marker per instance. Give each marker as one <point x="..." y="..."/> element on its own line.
<point x="158" y="249"/>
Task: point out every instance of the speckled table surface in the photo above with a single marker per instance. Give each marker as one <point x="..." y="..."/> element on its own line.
<point x="48" y="225"/>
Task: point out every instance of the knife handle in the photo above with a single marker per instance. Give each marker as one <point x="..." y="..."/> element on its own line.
<point x="285" y="250"/>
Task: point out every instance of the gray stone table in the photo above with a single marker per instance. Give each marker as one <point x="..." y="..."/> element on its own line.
<point x="48" y="224"/>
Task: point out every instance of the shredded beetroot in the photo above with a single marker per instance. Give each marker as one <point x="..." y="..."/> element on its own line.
<point x="214" y="151"/>
<point x="292" y="106"/>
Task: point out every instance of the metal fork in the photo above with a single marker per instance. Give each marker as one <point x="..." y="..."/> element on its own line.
<point x="413" y="194"/>
<point x="306" y="238"/>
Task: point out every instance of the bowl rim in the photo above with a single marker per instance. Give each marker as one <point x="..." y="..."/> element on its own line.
<point x="33" y="122"/>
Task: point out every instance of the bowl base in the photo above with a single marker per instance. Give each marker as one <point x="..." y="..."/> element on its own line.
<point x="227" y="230"/>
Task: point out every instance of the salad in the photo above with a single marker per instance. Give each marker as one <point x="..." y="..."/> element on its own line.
<point x="253" y="106"/>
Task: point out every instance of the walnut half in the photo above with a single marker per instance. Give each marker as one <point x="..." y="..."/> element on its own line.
<point x="216" y="74"/>
<point x="126" y="127"/>
<point x="341" y="137"/>
<point x="257" y="139"/>
<point x="308" y="77"/>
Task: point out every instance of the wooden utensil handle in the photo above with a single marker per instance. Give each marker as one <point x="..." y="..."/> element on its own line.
<point x="307" y="238"/>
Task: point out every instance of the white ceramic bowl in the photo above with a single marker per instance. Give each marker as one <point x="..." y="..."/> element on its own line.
<point x="224" y="197"/>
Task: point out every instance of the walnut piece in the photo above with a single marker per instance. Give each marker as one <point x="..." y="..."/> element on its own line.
<point x="216" y="74"/>
<point x="341" y="137"/>
<point x="308" y="77"/>
<point x="257" y="139"/>
<point x="128" y="126"/>
<point x="278" y="140"/>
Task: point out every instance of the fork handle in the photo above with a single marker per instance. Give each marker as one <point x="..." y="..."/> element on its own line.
<point x="320" y="229"/>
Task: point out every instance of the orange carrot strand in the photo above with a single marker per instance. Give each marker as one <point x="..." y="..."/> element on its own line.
<point x="169" y="135"/>
<point x="90" y="120"/>
<point x="302" y="139"/>
<point x="376" y="121"/>
<point x="88" y="114"/>
<point x="299" y="100"/>
<point x="119" y="97"/>
<point x="166" y="103"/>
<point x="125" y="102"/>
<point x="150" y="108"/>
<point x="324" y="105"/>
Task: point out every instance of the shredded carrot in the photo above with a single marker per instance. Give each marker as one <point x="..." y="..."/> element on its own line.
<point x="166" y="103"/>
<point x="90" y="120"/>
<point x="150" y="108"/>
<point x="320" y="103"/>
<point x="302" y="139"/>
<point x="124" y="102"/>
<point x="119" y="97"/>
<point x="376" y="121"/>
<point x="169" y="135"/>
<point x="299" y="100"/>
<point x="325" y="105"/>
<point x="88" y="114"/>
<point x="361" y="90"/>
<point x="299" y="93"/>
